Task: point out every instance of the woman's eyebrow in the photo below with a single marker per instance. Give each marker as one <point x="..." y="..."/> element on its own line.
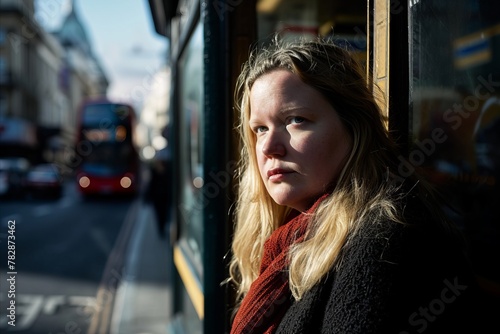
<point x="286" y="111"/>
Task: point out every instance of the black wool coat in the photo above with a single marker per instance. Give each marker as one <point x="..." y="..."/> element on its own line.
<point x="394" y="278"/>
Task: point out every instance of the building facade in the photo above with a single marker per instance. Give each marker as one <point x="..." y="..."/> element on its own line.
<point x="44" y="77"/>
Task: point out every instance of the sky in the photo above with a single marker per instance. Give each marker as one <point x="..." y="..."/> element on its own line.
<point x="123" y="39"/>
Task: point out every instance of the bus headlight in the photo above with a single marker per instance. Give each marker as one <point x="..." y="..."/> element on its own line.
<point x="125" y="182"/>
<point x="84" y="182"/>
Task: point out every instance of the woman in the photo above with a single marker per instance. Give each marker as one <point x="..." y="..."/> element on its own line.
<point x="328" y="237"/>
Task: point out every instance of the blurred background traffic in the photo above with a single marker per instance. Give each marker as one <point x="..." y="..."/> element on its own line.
<point x="83" y="121"/>
<point x="51" y="62"/>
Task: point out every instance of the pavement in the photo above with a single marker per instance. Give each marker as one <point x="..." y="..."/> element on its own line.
<point x="143" y="299"/>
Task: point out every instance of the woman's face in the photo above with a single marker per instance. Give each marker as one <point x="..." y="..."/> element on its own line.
<point x="301" y="143"/>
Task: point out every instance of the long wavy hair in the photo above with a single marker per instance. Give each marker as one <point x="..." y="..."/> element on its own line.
<point x="363" y="192"/>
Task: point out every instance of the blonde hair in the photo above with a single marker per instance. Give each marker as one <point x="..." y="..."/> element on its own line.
<point x="362" y="194"/>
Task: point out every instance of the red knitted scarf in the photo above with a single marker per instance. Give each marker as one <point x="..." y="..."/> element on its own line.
<point x="269" y="296"/>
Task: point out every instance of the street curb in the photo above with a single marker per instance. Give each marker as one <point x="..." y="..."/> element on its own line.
<point x="127" y="282"/>
<point x="106" y="292"/>
<point x="130" y="313"/>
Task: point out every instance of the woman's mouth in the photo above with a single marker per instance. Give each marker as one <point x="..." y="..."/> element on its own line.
<point x="277" y="174"/>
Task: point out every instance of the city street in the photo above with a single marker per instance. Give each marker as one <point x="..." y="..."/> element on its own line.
<point x="61" y="261"/>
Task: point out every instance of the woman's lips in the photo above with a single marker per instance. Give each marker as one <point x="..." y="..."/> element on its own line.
<point x="277" y="174"/>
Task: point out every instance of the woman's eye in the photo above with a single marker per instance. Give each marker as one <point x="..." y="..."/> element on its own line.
<point x="296" y="120"/>
<point x="260" y="129"/>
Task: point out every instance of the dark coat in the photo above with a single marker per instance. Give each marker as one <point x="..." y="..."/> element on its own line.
<point x="394" y="278"/>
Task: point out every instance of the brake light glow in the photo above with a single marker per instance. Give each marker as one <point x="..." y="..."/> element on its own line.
<point x="84" y="182"/>
<point x="125" y="182"/>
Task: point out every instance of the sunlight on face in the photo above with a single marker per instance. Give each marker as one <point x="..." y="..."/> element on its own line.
<point x="301" y="145"/>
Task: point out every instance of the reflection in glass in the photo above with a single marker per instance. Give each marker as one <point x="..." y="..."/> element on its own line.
<point x="455" y="91"/>
<point x="191" y="107"/>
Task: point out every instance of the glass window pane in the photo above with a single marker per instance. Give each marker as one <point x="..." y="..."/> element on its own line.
<point x="4" y="77"/>
<point x="191" y="107"/>
<point x="455" y="121"/>
<point x="344" y="22"/>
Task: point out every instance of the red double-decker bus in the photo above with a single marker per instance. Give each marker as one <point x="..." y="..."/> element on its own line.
<point x="109" y="161"/>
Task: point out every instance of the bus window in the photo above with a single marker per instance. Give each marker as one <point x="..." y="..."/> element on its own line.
<point x="344" y="22"/>
<point x="455" y="120"/>
<point x="191" y="175"/>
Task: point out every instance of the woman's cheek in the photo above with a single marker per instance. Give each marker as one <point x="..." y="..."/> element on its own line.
<point x="302" y="144"/>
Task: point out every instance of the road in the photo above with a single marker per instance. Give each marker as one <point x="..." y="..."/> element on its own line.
<point x="66" y="259"/>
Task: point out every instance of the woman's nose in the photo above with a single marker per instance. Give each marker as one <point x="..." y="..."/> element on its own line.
<point x="273" y="145"/>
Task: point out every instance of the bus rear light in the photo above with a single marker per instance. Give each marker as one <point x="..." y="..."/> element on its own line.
<point x="84" y="182"/>
<point x="125" y="182"/>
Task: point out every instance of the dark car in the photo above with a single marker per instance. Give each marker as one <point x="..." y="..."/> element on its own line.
<point x="44" y="181"/>
<point x="12" y="174"/>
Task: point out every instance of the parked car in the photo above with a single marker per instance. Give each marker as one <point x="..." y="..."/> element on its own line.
<point x="44" y="180"/>
<point x="13" y="171"/>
